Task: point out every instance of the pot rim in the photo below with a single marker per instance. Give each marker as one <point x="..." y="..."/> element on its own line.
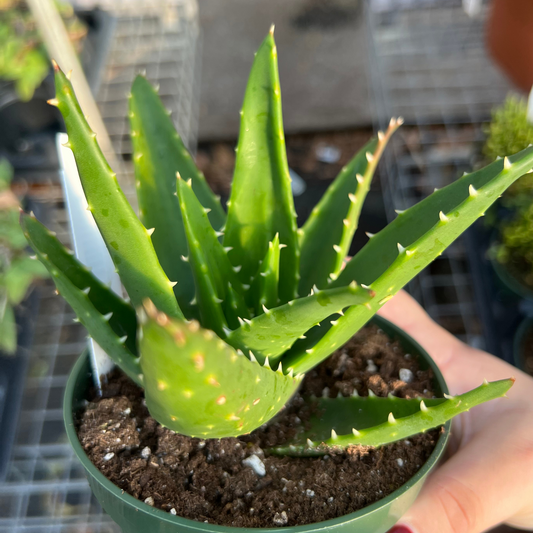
<point x="391" y="329"/>
<point x="511" y="282"/>
<point x="518" y="342"/>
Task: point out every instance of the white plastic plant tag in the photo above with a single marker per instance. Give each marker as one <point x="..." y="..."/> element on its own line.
<point x="89" y="246"/>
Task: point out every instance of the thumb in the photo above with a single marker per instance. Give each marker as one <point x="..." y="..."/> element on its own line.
<point x="489" y="481"/>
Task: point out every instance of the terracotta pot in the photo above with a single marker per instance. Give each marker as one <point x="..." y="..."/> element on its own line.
<point x="510" y="39"/>
<point x="134" y="516"/>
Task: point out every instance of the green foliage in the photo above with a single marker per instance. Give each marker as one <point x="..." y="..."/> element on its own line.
<point x="253" y="303"/>
<point x="515" y="245"/>
<point x="17" y="269"/>
<point x="23" y="58"/>
<point x="508" y="133"/>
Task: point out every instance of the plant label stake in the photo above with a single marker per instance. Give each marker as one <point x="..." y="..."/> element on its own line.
<point x="89" y="247"/>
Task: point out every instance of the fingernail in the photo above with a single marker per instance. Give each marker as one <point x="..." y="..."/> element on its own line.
<point x="400" y="529"/>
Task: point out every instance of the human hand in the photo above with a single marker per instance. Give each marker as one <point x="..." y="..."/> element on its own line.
<point x="488" y="476"/>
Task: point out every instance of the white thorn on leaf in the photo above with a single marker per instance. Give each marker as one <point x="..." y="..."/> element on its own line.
<point x="355" y="394"/>
<point x="291" y="372"/>
<point x="401" y="249"/>
<point x="266" y="311"/>
<point x="472" y="191"/>
<point x="369" y="157"/>
<point x="391" y="419"/>
<point x="359" y="178"/>
<point x="172" y="283"/>
<point x="333" y="322"/>
<point x="423" y="407"/>
<point x="381" y="135"/>
<point x="337" y="248"/>
<point x="315" y="289"/>
<point x="280" y="368"/>
<point x="219" y="233"/>
<point x="333" y="434"/>
<point x="241" y="321"/>
<point x="309" y="443"/>
<point x="369" y="235"/>
<point x="365" y="286"/>
<point x="443" y="217"/>
<point x="399" y="211"/>
<point x="448" y="396"/>
<point x="248" y="321"/>
<point x="207" y="210"/>
<point x="356" y="433"/>
<point x="353" y="285"/>
<point x="485" y="382"/>
<point x="281" y="245"/>
<point x="309" y="350"/>
<point x="217" y="300"/>
<point x="86" y="290"/>
<point x="108" y="316"/>
<point x="266" y="364"/>
<point x="352" y="198"/>
<point x="228" y="248"/>
<point x="193" y="301"/>
<point x="346" y="222"/>
<point x="185" y="258"/>
<point x="252" y="357"/>
<point x="237" y="268"/>
<point x="333" y="276"/>
<point x="122" y="340"/>
<point x="506" y="163"/>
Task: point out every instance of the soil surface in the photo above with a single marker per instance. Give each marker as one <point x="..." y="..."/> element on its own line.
<point x="212" y="480"/>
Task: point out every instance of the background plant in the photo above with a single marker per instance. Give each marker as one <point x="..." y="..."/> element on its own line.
<point x="17" y="269"/>
<point x="233" y="309"/>
<point x="23" y="58"/>
<point x="509" y="132"/>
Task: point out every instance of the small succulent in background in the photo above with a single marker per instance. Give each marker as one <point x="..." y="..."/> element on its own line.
<point x="514" y="248"/>
<point x="509" y="132"/>
<point x="17" y="269"/>
<point x="228" y="312"/>
<point x="23" y="58"/>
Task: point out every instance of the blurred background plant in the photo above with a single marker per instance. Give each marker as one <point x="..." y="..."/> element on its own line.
<point x="23" y="59"/>
<point x="509" y="132"/>
<point x="17" y="269"/>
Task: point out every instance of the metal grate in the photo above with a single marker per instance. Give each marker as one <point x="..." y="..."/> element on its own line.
<point x="429" y="65"/>
<point x="45" y="489"/>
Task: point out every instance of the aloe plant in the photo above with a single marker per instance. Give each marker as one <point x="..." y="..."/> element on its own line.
<point x="228" y="312"/>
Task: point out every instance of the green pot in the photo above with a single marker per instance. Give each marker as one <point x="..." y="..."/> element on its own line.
<point x="134" y="516"/>
<point x="520" y="338"/>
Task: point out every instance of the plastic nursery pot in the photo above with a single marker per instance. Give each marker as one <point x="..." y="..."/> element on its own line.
<point x="510" y="282"/>
<point x="522" y="359"/>
<point x="134" y="516"/>
<point x="510" y="39"/>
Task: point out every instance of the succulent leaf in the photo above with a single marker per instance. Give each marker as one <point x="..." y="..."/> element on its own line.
<point x="90" y="306"/>
<point x="126" y="238"/>
<point x="199" y="386"/>
<point x="261" y="202"/>
<point x="326" y="237"/>
<point x="159" y="154"/>
<point x="218" y="290"/>
<point x="264" y="289"/>
<point x="273" y="332"/>
<point x="429" y="414"/>
<point x="55" y="256"/>
<point x="396" y="254"/>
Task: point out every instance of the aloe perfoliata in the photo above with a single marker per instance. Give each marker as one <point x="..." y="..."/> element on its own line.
<point x="227" y="312"/>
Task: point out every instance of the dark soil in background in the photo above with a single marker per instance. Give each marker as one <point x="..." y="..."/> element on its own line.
<point x="206" y="480"/>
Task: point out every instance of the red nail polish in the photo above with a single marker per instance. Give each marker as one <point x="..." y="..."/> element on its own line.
<point x="400" y="529"/>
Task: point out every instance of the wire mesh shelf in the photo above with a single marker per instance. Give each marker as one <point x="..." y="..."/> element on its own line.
<point x="428" y="64"/>
<point x="45" y="490"/>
